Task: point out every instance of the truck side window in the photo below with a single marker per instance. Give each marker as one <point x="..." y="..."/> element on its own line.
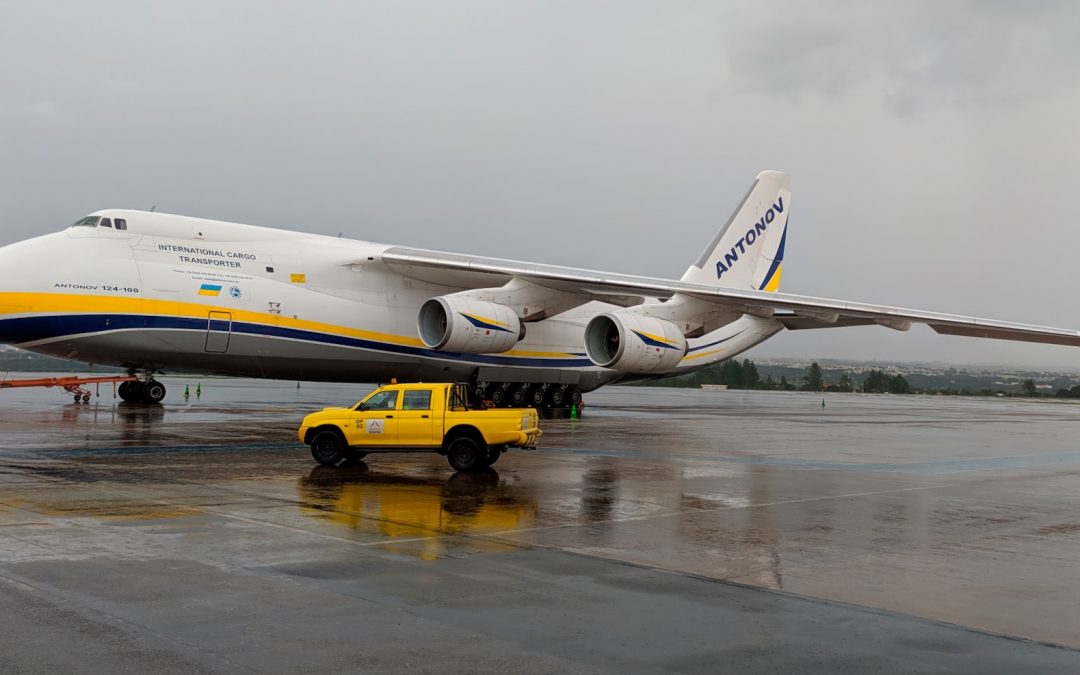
<point x="417" y="400"/>
<point x="384" y="400"/>
<point x="458" y="399"/>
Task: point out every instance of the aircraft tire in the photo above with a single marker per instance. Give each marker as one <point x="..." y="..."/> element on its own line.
<point x="556" y="397"/>
<point x="153" y="392"/>
<point x="328" y="448"/>
<point x="465" y="454"/>
<point x="518" y="397"/>
<point x="124" y="391"/>
<point x="497" y="395"/>
<point x="135" y="392"/>
<point x="535" y="397"/>
<point x="575" y="397"/>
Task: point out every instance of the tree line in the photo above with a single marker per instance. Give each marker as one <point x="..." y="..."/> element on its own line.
<point x="745" y="375"/>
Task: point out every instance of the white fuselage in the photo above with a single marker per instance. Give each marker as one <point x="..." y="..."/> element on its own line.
<point x="178" y="294"/>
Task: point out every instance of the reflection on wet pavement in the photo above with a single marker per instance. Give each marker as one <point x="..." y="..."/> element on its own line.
<point x="427" y="508"/>
<point x="954" y="509"/>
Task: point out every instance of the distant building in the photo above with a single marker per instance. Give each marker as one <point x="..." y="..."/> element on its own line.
<point x="714" y="387"/>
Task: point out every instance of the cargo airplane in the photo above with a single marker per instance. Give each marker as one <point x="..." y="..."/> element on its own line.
<point x="157" y="293"/>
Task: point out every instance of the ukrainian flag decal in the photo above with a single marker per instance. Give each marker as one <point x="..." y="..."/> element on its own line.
<point x="212" y="290"/>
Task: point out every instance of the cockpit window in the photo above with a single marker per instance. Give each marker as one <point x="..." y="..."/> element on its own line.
<point x="121" y="224"/>
<point x="105" y="222"/>
<point x="89" y="221"/>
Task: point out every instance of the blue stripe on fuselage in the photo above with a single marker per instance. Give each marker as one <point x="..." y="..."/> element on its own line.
<point x="30" y="329"/>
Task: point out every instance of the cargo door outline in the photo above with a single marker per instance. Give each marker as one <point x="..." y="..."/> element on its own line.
<point x="218" y="332"/>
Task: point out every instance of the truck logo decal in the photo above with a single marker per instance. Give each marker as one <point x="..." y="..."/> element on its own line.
<point x="373" y="426"/>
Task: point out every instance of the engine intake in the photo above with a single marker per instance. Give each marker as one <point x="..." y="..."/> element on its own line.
<point x="468" y="326"/>
<point x="633" y="343"/>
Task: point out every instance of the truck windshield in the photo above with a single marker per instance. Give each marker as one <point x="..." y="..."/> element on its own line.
<point x="384" y="400"/>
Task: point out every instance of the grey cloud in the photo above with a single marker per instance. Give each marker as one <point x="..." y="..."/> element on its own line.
<point x="911" y="55"/>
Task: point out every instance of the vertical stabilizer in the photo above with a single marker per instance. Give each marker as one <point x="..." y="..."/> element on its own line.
<point x="748" y="252"/>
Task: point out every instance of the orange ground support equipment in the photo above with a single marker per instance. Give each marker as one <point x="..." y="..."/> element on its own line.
<point x="72" y="385"/>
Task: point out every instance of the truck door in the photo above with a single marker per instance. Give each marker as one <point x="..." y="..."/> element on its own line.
<point x="374" y="421"/>
<point x="218" y="332"/>
<point x="416" y="422"/>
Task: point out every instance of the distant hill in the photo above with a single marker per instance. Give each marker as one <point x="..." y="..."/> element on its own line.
<point x="935" y="376"/>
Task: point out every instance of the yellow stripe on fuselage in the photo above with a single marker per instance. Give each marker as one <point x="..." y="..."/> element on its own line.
<point x="71" y="303"/>
<point x="524" y="352"/>
<point x="691" y="357"/>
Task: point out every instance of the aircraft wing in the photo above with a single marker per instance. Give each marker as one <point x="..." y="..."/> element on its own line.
<point x="794" y="311"/>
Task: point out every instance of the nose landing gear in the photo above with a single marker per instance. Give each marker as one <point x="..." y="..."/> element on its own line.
<point x="150" y="391"/>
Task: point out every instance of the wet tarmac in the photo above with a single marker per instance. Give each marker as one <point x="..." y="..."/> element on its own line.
<point x="667" y="530"/>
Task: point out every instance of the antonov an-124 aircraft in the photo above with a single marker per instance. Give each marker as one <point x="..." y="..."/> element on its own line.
<point x="158" y="293"/>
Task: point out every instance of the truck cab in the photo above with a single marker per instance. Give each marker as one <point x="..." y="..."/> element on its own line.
<point x="420" y="418"/>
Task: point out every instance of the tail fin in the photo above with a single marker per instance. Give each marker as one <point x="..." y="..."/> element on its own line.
<point x="749" y="249"/>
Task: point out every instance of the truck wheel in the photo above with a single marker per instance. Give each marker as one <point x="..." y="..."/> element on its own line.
<point x="328" y="448"/>
<point x="465" y="454"/>
<point x="354" y="457"/>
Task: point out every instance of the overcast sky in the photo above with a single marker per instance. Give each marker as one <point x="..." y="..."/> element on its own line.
<point x="932" y="146"/>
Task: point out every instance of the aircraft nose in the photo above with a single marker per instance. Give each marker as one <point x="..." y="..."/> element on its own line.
<point x="15" y="300"/>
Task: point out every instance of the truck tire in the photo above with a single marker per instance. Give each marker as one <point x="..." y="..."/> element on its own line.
<point x="494" y="452"/>
<point x="328" y="448"/>
<point x="465" y="454"/>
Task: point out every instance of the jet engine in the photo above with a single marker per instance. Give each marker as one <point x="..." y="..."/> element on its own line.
<point x="634" y="343"/>
<point x="457" y="324"/>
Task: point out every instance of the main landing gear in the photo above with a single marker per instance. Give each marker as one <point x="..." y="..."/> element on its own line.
<point x="150" y="391"/>
<point x="545" y="397"/>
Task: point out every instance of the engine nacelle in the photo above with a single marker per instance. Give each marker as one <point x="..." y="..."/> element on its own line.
<point x="633" y="343"/>
<point x="456" y="324"/>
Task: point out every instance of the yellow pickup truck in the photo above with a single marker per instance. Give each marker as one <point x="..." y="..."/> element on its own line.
<point x="420" y="417"/>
